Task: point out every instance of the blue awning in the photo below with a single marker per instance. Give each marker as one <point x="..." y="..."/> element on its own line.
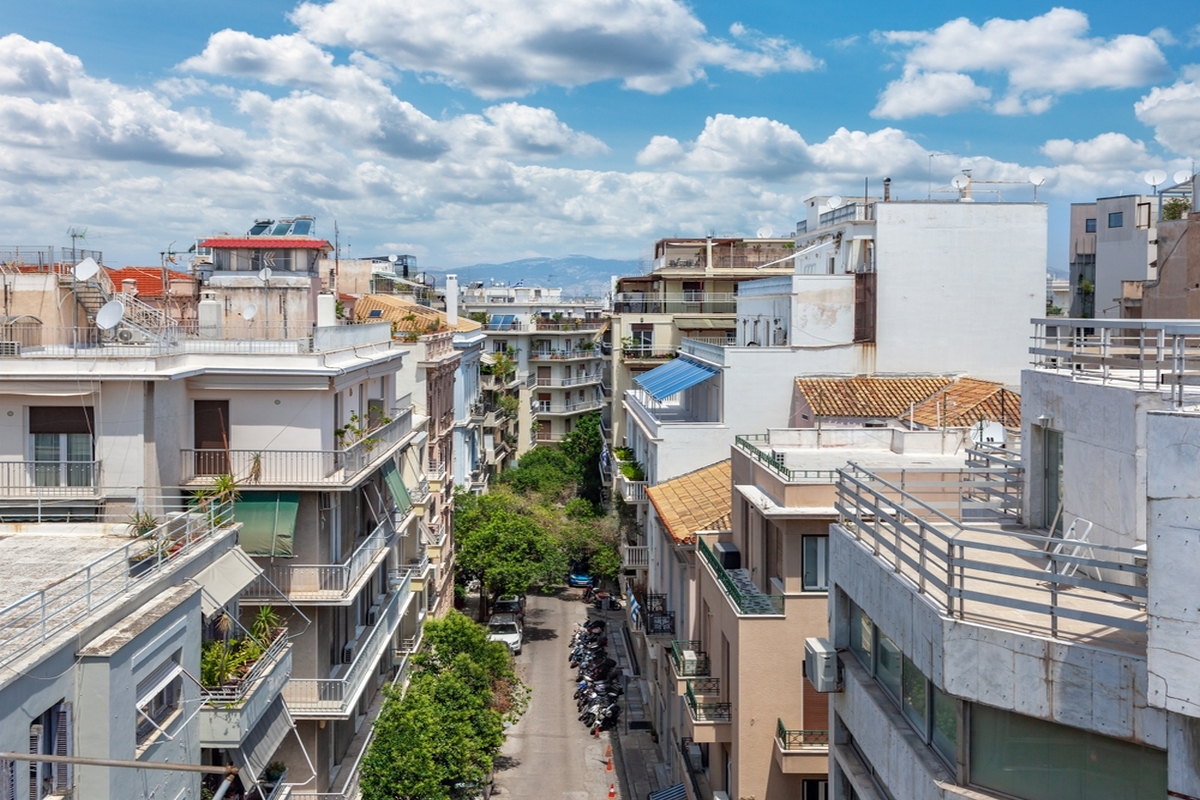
<point x="676" y="792"/>
<point x="662" y="382"/>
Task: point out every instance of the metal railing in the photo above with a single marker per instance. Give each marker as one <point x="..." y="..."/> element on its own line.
<point x="698" y="665"/>
<point x="41" y="615"/>
<point x="315" y="583"/>
<point x="742" y="593"/>
<point x="1084" y="592"/>
<point x="319" y="697"/>
<point x="1153" y="355"/>
<point x="708" y="351"/>
<point x="748" y="444"/>
<point x="636" y="556"/>
<point x="705" y="711"/>
<point x="799" y="740"/>
<point x="232" y="694"/>
<point x="49" y="478"/>
<point x="289" y="467"/>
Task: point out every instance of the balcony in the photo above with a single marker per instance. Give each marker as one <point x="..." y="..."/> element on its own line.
<point x="743" y="594"/>
<point x="57" y="479"/>
<point x="688" y="662"/>
<point x="230" y="712"/>
<point x="322" y="584"/>
<point x="297" y="467"/>
<point x="635" y="556"/>
<point x="329" y="698"/>
<point x="800" y="751"/>
<point x="711" y="720"/>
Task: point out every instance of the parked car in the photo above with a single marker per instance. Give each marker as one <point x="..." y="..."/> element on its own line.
<point x="510" y="604"/>
<point x="506" y="628"/>
<point x="579" y="579"/>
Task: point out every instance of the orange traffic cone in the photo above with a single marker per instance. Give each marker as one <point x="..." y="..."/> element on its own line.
<point x="612" y="790"/>
<point x="608" y="768"/>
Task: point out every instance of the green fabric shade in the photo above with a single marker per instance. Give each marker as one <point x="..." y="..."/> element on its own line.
<point x="268" y="522"/>
<point x="395" y="484"/>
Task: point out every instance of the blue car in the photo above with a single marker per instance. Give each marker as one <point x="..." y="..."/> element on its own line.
<point x="579" y="580"/>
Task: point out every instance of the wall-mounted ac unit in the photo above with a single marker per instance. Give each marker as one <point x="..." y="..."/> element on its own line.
<point x="821" y="665"/>
<point x="348" y="651"/>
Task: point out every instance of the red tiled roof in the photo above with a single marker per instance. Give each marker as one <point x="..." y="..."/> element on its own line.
<point x="268" y="243"/>
<point x="149" y="279"/>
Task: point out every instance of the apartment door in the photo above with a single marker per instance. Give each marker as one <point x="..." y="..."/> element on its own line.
<point x="1052" y="480"/>
<point x="211" y="436"/>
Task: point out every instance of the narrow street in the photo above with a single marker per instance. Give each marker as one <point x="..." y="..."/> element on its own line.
<point x="549" y="753"/>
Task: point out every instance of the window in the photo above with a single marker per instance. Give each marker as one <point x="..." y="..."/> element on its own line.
<point x="1089" y="226"/>
<point x="816" y="557"/>
<point x="1116" y="219"/>
<point x="159" y="695"/>
<point x="62" y="445"/>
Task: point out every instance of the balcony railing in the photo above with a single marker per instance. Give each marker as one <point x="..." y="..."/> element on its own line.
<point x="292" y="467"/>
<point x="319" y="698"/>
<point x="800" y="740"/>
<point x="707" y="711"/>
<point x="41" y="615"/>
<point x="738" y="587"/>
<point x="636" y="556"/>
<point x="322" y="583"/>
<point x="49" y="478"/>
<point x="689" y="660"/>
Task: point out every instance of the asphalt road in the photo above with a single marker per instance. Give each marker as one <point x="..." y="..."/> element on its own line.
<point x="549" y="754"/>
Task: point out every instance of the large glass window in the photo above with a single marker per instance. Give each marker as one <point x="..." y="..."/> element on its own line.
<point x="862" y="635"/>
<point x="888" y="666"/>
<point x="915" y="697"/>
<point x="816" y="557"/>
<point x="1038" y="760"/>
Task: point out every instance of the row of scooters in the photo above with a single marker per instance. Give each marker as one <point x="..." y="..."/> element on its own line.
<point x="598" y="681"/>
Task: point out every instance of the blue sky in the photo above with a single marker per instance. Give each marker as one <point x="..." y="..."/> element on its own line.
<point x="488" y="130"/>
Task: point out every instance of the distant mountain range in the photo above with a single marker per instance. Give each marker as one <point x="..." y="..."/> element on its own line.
<point x="578" y="276"/>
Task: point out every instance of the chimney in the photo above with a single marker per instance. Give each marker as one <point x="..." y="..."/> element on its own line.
<point x="887" y="190"/>
<point x="452" y="300"/>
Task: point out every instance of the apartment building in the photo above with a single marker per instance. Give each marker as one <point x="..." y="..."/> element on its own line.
<point x="554" y="345"/>
<point x="111" y="403"/>
<point x="988" y="656"/>
<point x="1111" y="241"/>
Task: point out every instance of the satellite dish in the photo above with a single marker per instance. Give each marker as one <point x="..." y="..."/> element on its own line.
<point x="110" y="315"/>
<point x="249" y="312"/>
<point x="1155" y="177"/>
<point x="765" y="232"/>
<point x="86" y="270"/>
<point x="264" y="274"/>
<point x="834" y="202"/>
<point x="1037" y="178"/>
<point x="393" y="258"/>
<point x="1183" y="176"/>
<point x="960" y="182"/>
<point x="984" y="432"/>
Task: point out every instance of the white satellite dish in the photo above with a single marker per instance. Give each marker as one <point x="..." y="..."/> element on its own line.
<point x="249" y="312"/>
<point x="1183" y="176"/>
<point x="1037" y="178"/>
<point x="1155" y="177"/>
<point x="264" y="274"/>
<point x="393" y="258"/>
<point x="835" y="201"/>
<point x="110" y="315"/>
<point x="86" y="270"/>
<point x="960" y="181"/>
<point x="984" y="432"/>
<point x="765" y="232"/>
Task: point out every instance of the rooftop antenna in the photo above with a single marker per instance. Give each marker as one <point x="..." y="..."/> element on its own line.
<point x="1037" y="179"/>
<point x="1156" y="178"/>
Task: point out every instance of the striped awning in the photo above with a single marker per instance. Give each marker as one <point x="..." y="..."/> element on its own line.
<point x="673" y="378"/>
<point x="676" y="792"/>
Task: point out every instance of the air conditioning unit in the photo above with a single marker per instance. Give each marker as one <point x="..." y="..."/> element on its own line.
<point x="688" y="659"/>
<point x="10" y="348"/>
<point x="821" y="665"/>
<point x="373" y="614"/>
<point x="348" y="651"/>
<point x="728" y="554"/>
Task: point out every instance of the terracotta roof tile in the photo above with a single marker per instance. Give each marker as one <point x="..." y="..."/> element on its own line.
<point x="967" y="401"/>
<point x="863" y="396"/>
<point x="407" y="316"/>
<point x="698" y="501"/>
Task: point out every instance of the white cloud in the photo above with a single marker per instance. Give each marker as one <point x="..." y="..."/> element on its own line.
<point x="919" y="93"/>
<point x="1174" y="112"/>
<point x="511" y="47"/>
<point x="1040" y="58"/>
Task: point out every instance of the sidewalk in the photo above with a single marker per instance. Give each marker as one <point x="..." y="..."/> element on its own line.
<point x="640" y="768"/>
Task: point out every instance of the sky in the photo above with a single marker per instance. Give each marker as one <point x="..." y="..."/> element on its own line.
<point x="466" y="131"/>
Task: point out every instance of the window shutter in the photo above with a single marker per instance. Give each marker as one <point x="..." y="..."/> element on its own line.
<point x="63" y="777"/>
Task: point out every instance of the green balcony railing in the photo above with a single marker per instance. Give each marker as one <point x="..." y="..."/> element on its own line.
<point x="744" y="595"/>
<point x="704" y="711"/>
<point x="799" y="740"/>
<point x="698" y="667"/>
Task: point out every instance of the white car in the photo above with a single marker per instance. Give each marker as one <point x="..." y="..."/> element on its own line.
<point x="506" y="628"/>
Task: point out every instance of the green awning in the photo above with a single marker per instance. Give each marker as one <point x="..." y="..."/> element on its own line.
<point x="395" y="482"/>
<point x="268" y="522"/>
